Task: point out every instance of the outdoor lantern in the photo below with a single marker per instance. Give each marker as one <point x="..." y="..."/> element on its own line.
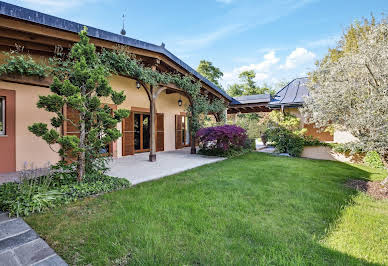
<point x="137" y="84"/>
<point x="180" y="101"/>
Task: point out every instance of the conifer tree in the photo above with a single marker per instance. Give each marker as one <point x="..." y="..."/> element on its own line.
<point x="81" y="86"/>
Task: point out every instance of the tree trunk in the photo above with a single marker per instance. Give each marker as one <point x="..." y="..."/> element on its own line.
<point x="81" y="156"/>
<point x="193" y="137"/>
<point x="193" y="148"/>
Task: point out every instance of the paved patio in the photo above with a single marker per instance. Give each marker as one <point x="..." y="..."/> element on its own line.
<point x="138" y="169"/>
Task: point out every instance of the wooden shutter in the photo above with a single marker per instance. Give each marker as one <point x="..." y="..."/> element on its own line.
<point x="178" y="132"/>
<point x="69" y="128"/>
<point x="159" y="132"/>
<point x="128" y="138"/>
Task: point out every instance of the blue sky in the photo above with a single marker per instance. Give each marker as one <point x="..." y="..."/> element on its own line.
<point x="279" y="39"/>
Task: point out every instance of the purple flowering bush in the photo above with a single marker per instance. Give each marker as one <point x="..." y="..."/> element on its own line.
<point x="222" y="140"/>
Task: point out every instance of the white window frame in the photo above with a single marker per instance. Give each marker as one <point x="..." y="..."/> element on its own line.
<point x="2" y="99"/>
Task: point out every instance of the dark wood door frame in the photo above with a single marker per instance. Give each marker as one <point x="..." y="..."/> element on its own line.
<point x="141" y="131"/>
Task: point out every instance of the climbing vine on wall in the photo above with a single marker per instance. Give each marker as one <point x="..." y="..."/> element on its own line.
<point x="24" y="65"/>
<point x="121" y="62"/>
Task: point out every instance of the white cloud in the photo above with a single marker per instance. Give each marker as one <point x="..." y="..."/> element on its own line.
<point x="300" y="56"/>
<point x="206" y="39"/>
<point x="246" y="14"/>
<point x="330" y="41"/>
<point x="262" y="69"/>
<point x="272" y="69"/>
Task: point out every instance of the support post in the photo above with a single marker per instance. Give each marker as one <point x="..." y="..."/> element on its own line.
<point x="193" y="148"/>
<point x="152" y="156"/>
<point x="192" y="140"/>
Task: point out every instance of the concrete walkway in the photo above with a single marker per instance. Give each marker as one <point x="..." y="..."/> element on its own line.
<point x="20" y="245"/>
<point x="137" y="169"/>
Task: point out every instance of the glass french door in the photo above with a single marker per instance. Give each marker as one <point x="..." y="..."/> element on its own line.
<point x="185" y="131"/>
<point x="142" y="128"/>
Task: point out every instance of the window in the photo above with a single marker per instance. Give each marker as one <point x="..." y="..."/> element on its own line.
<point x="2" y="116"/>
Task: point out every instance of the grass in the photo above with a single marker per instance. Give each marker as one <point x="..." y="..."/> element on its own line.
<point x="253" y="209"/>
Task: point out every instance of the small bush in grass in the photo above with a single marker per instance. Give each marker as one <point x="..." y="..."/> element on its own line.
<point x="285" y="141"/>
<point x="373" y="159"/>
<point x="285" y="134"/>
<point x="226" y="140"/>
<point x="38" y="193"/>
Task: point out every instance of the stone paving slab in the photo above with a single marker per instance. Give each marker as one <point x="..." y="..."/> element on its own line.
<point x="33" y="252"/>
<point x="20" y="245"/>
<point x="17" y="240"/>
<point x="9" y="258"/>
<point x="12" y="227"/>
<point x="52" y="261"/>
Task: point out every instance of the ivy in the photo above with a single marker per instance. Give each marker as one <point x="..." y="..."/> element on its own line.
<point x="120" y="62"/>
<point x="22" y="65"/>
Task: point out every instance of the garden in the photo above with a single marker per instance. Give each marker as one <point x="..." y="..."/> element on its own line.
<point x="250" y="209"/>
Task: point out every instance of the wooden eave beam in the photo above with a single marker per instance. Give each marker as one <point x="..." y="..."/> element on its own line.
<point x="27" y="45"/>
<point x="41" y="30"/>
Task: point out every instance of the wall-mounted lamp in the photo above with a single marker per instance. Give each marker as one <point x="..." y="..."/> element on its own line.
<point x="138" y="84"/>
<point x="180" y="101"/>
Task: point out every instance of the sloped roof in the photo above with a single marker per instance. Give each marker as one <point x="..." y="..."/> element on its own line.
<point x="291" y="95"/>
<point x="258" y="98"/>
<point x="22" y="13"/>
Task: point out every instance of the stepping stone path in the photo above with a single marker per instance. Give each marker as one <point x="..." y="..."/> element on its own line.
<point x="20" y="245"/>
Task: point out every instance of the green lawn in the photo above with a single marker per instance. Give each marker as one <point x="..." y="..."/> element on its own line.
<point x="253" y="209"/>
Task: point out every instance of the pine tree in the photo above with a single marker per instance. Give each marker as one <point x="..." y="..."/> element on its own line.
<point x="81" y="88"/>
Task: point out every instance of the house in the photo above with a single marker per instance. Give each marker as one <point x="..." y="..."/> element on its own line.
<point x="40" y="35"/>
<point x="155" y="124"/>
<point x="289" y="100"/>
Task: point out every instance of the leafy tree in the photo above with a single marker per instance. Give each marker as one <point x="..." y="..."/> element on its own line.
<point x="81" y="88"/>
<point x="349" y="88"/>
<point x="248" y="86"/>
<point x="212" y="73"/>
<point x="235" y="90"/>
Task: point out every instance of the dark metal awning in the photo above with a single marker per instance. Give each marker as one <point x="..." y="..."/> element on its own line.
<point x="250" y="104"/>
<point x="292" y="95"/>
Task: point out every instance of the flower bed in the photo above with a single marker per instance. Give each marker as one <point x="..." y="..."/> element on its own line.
<point x="41" y="193"/>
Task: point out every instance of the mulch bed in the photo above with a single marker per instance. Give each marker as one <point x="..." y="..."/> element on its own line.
<point x="374" y="189"/>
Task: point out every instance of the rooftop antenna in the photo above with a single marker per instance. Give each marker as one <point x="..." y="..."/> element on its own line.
<point x="123" y="32"/>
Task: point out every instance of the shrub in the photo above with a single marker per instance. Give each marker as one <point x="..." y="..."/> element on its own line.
<point x="38" y="194"/>
<point x="373" y="159"/>
<point x="285" y="141"/>
<point x="349" y="147"/>
<point x="226" y="140"/>
<point x="285" y="134"/>
<point x="311" y="141"/>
